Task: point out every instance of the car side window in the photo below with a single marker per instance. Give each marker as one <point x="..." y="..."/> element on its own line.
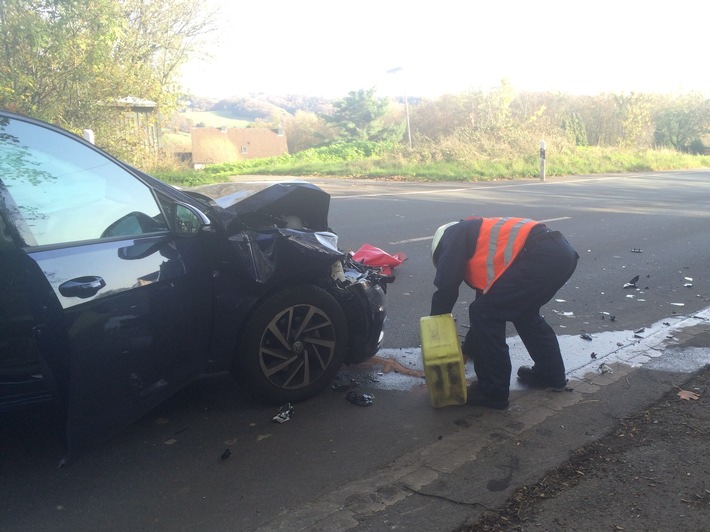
<point x="64" y="191"/>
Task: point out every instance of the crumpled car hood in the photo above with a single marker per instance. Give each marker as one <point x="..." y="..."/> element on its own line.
<point x="277" y="200"/>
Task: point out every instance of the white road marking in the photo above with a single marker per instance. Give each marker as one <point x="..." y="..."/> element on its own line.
<point x="422" y="238"/>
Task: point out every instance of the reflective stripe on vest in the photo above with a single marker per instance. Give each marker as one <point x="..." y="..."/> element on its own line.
<point x="500" y="240"/>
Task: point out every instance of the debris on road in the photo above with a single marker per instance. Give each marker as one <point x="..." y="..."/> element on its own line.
<point x="586" y="336"/>
<point x="284" y="415"/>
<point x="636" y="250"/>
<point x="226" y="454"/>
<point x="360" y="399"/>
<point x="632" y="282"/>
<point x="605" y="368"/>
<point x="562" y="313"/>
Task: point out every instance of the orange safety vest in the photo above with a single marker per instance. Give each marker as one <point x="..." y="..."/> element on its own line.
<point x="499" y="242"/>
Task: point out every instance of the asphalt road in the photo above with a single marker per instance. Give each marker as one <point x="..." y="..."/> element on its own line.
<point x="662" y="216"/>
<point x="170" y="471"/>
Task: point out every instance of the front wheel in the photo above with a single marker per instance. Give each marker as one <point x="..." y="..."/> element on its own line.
<point x="293" y="345"/>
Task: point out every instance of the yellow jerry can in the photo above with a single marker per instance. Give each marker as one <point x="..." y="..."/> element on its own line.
<point x="443" y="362"/>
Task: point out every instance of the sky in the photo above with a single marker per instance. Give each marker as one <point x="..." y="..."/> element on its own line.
<point x="329" y="48"/>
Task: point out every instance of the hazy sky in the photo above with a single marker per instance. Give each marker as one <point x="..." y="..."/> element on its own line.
<point x="331" y="47"/>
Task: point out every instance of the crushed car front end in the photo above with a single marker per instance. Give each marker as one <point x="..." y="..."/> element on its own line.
<point x="278" y="257"/>
<point x="361" y="291"/>
<point x="313" y="306"/>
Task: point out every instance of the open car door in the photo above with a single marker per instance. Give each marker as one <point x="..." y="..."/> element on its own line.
<point x="131" y="307"/>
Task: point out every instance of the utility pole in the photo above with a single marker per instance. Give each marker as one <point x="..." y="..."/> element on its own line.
<point x="406" y="105"/>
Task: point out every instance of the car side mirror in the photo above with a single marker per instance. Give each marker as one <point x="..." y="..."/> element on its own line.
<point x="188" y="221"/>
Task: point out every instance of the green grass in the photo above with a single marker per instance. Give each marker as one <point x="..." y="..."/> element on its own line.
<point x="365" y="160"/>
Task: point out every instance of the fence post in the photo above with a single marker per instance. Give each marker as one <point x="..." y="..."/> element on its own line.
<point x="542" y="160"/>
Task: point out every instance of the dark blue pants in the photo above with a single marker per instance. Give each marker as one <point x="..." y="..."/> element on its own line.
<point x="541" y="269"/>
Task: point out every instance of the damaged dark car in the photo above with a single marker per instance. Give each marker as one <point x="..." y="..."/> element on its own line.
<point x="117" y="290"/>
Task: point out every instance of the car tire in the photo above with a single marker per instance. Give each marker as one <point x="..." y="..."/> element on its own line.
<point x="293" y="345"/>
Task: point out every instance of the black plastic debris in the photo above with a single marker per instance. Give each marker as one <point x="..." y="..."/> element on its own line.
<point x="636" y="250"/>
<point x="594" y="355"/>
<point x="284" y="415"/>
<point x="632" y="282"/>
<point x="611" y="316"/>
<point x="360" y="399"/>
<point x="226" y="454"/>
<point x="586" y="336"/>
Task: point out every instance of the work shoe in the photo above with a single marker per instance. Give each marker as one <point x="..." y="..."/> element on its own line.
<point x="475" y="397"/>
<point x="528" y="377"/>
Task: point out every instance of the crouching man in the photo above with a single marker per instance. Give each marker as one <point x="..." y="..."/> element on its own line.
<point x="516" y="265"/>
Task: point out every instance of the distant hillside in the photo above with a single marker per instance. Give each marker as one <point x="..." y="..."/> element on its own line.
<point x="241" y="112"/>
<point x="214" y="119"/>
<point x="265" y="106"/>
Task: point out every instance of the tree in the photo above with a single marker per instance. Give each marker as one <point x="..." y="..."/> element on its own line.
<point x="69" y="61"/>
<point x="306" y="130"/>
<point x="491" y="116"/>
<point x="682" y="121"/>
<point x="50" y="53"/>
<point x="634" y="114"/>
<point x="441" y="117"/>
<point x="599" y="115"/>
<point x="363" y="116"/>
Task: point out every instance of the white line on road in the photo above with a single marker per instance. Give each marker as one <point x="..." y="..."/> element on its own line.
<point x="422" y="238"/>
<point x="570" y="181"/>
<point x="556" y="219"/>
<point x="410" y="193"/>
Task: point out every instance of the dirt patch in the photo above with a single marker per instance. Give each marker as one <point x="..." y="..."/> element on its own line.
<point x="651" y="472"/>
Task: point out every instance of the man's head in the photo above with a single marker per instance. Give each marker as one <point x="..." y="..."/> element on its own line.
<point x="437" y="238"/>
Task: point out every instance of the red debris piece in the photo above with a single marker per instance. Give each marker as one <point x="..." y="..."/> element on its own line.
<point x="377" y="258"/>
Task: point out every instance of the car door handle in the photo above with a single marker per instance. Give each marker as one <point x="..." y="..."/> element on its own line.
<point x="82" y="287"/>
